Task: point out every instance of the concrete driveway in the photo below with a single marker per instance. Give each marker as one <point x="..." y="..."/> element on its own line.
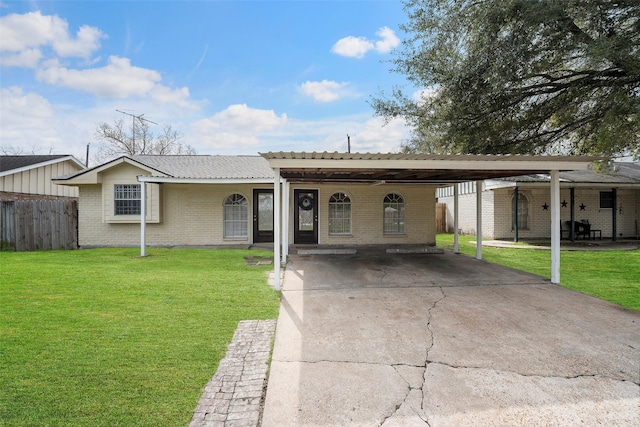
<point x="373" y="339"/>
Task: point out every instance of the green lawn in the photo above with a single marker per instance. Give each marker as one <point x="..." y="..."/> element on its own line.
<point x="102" y="337"/>
<point x="610" y="275"/>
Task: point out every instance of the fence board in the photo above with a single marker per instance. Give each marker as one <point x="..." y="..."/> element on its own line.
<point x="28" y="225"/>
<point x="441" y="217"/>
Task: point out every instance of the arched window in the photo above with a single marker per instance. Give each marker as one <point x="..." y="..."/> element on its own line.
<point x="522" y="211"/>
<point x="339" y="214"/>
<point x="235" y="216"/>
<point x="393" y="214"/>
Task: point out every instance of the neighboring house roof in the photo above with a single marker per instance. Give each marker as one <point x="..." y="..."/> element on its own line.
<point x="620" y="173"/>
<point x="183" y="168"/>
<point x="14" y="164"/>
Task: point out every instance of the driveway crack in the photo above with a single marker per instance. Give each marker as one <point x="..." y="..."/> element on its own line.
<point x="507" y="371"/>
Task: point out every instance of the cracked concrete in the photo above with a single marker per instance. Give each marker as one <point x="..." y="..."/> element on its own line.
<point x="374" y="339"/>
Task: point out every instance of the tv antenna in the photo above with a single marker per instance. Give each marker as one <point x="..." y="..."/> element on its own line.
<point x="133" y="125"/>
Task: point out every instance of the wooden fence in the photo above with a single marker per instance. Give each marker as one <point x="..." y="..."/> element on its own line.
<point x="31" y="225"/>
<point x="441" y="217"/>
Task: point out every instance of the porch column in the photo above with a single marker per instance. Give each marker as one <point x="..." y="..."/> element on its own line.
<point x="276" y="228"/>
<point x="555" y="230"/>
<point x="285" y="220"/>
<point x="456" y="245"/>
<point x="478" y="219"/>
<point x="143" y="219"/>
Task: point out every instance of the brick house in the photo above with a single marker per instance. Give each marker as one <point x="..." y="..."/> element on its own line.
<point x="228" y="200"/>
<point x="609" y="201"/>
<point x="356" y="199"/>
<point x="345" y="199"/>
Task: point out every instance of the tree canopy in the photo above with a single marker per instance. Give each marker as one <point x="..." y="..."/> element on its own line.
<point x="520" y="76"/>
<point x="136" y="137"/>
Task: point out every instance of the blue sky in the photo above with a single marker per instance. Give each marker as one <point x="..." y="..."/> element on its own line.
<point x="234" y="77"/>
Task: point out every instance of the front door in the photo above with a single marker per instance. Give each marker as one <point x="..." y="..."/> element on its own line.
<point x="262" y="216"/>
<point x="305" y="219"/>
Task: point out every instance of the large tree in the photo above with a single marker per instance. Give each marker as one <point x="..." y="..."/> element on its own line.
<point x="520" y="76"/>
<point x="136" y="137"/>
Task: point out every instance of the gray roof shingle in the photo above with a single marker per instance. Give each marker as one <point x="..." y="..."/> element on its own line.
<point x="209" y="166"/>
<point x="8" y="163"/>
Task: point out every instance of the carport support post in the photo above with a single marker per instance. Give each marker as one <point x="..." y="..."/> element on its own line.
<point x="276" y="228"/>
<point x="555" y="230"/>
<point x="456" y="246"/>
<point x="285" y="220"/>
<point x="143" y="219"/>
<point x="478" y="219"/>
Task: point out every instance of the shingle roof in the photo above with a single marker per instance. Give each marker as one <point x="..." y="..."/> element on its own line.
<point x="620" y="173"/>
<point x="8" y="163"/>
<point x="209" y="167"/>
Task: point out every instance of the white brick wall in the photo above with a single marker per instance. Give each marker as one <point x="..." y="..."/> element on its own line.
<point x="367" y="214"/>
<point x="467" y="213"/>
<point x="192" y="214"/>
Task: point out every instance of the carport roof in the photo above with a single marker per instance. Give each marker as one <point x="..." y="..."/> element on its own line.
<point x="415" y="168"/>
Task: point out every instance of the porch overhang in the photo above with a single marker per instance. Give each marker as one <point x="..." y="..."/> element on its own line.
<point x="433" y="169"/>
<point x="415" y="168"/>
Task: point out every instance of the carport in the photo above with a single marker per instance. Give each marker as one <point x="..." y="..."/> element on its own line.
<point x="432" y="169"/>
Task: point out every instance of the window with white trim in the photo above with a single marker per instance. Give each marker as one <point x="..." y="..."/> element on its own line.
<point x="127" y="199"/>
<point x="235" y="216"/>
<point x="393" y="206"/>
<point x="339" y="214"/>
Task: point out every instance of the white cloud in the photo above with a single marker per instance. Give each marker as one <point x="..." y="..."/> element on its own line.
<point x="26" y="120"/>
<point x="357" y="47"/>
<point x="117" y="79"/>
<point x="326" y="90"/>
<point x="388" y="42"/>
<point x="354" y="47"/>
<point x="426" y="94"/>
<point x="236" y="127"/>
<point x="24" y="34"/>
<point x="376" y="137"/>
<point x="27" y="58"/>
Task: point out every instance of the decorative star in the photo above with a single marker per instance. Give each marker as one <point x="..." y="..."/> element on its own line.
<point x="564" y="203"/>
<point x="545" y="206"/>
<point x="582" y="206"/>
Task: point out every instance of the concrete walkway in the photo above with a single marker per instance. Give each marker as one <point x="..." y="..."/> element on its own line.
<point x="372" y="339"/>
<point x="233" y="396"/>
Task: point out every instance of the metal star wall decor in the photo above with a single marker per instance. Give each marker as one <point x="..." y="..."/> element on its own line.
<point x="564" y="203"/>
<point x="545" y="206"/>
<point x="582" y="206"/>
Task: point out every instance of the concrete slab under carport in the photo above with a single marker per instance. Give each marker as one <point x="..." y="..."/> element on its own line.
<point x="377" y="339"/>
